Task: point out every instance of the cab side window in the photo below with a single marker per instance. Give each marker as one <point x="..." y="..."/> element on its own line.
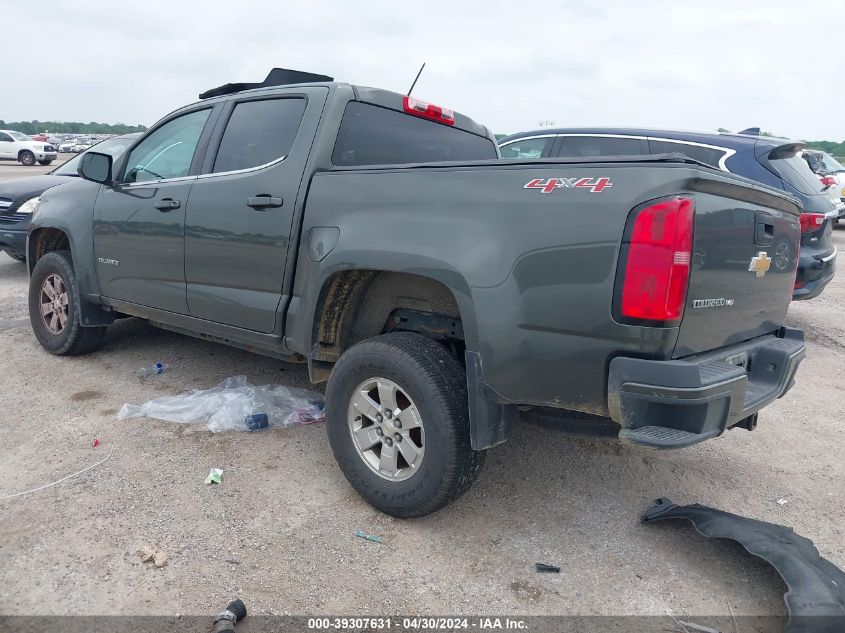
<point x="5" y="137"/>
<point x="259" y="132"/>
<point x="525" y="149"/>
<point x="586" y="146"/>
<point x="168" y="151"/>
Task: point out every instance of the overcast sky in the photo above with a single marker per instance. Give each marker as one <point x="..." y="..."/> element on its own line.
<point x="508" y="64"/>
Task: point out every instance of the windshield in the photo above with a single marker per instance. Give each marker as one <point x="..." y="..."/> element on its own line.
<point x="113" y="147"/>
<point x="18" y="136"/>
<point x="831" y="164"/>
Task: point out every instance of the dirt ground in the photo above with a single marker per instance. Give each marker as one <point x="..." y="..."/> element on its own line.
<point x="279" y="531"/>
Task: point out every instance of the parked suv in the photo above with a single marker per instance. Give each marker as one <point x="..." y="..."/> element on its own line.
<point x="776" y="162"/>
<point x="437" y="288"/>
<point x="20" y="147"/>
<point x="831" y="173"/>
<point x="19" y="197"/>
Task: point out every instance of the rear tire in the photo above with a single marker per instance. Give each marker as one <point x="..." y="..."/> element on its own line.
<point x="26" y="158"/>
<point x="54" y="308"/>
<point x="428" y="388"/>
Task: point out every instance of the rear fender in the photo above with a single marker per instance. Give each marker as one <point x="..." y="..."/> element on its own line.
<point x="490" y="419"/>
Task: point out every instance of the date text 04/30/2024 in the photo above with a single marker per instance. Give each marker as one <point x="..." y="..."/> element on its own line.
<point x="417" y="623"/>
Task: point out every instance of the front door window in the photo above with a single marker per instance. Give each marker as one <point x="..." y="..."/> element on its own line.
<point x="168" y="151"/>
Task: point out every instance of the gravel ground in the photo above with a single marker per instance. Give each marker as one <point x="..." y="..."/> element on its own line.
<point x="279" y="531"/>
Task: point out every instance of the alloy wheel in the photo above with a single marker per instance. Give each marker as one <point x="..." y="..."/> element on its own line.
<point x="387" y="429"/>
<point x="54" y="304"/>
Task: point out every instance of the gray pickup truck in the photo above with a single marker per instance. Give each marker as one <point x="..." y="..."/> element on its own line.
<point x="438" y="289"/>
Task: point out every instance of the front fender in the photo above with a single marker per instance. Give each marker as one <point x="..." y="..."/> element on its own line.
<point x="70" y="208"/>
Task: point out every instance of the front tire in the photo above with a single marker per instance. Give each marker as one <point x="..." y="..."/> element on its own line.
<point x="54" y="308"/>
<point x="26" y="158"/>
<point x="397" y="419"/>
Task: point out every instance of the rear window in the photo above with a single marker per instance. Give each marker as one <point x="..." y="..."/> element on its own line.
<point x="259" y="132"/>
<point x="706" y="155"/>
<point x="371" y="135"/>
<point x="795" y="171"/>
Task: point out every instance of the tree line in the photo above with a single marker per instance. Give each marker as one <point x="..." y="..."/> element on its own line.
<point x="70" y="127"/>
<point x="76" y="127"/>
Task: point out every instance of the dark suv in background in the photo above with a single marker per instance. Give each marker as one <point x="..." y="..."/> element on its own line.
<point x="776" y="162"/>
<point x="19" y="197"/>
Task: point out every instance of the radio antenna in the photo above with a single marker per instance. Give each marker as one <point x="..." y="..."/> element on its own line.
<point x="411" y="89"/>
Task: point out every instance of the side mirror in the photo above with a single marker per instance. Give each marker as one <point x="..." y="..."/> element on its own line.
<point x="95" y="166"/>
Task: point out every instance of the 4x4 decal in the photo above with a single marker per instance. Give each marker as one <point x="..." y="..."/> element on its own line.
<point x="595" y="185"/>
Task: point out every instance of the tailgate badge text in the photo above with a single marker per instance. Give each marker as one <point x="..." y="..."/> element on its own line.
<point x="712" y="303"/>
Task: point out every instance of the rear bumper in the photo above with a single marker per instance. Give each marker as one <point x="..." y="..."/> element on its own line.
<point x="677" y="403"/>
<point x="813" y="275"/>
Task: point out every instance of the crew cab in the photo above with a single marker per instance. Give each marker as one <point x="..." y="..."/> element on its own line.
<point x="19" y="147"/>
<point x="437" y="288"/>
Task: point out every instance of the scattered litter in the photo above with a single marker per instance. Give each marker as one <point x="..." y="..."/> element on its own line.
<point x="369" y="537"/>
<point x="59" y="481"/>
<point x="228" y="405"/>
<point x="256" y="422"/>
<point x="152" y="370"/>
<point x="782" y="502"/>
<point x="542" y="568"/>
<point x="95" y="443"/>
<point x="815" y="596"/>
<point x="215" y="476"/>
<point x="227" y="619"/>
<point x="150" y="553"/>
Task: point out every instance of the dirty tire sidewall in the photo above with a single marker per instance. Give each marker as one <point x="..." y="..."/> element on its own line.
<point x="74" y="339"/>
<point x="26" y="158"/>
<point x="437" y="385"/>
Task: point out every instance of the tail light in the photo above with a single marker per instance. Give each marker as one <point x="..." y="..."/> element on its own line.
<point x="828" y="181"/>
<point x="811" y="221"/>
<point x="657" y="269"/>
<point x="429" y="111"/>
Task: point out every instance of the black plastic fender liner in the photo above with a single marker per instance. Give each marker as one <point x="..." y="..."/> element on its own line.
<point x="815" y="596"/>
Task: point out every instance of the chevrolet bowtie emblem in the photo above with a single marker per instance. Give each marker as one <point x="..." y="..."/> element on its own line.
<point x="760" y="264"/>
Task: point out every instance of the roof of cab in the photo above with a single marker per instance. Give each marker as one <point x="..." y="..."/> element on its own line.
<point x="279" y="77"/>
<point x="724" y="139"/>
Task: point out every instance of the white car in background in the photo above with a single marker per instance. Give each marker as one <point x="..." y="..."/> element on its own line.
<point x="20" y="147"/>
<point x="831" y="173"/>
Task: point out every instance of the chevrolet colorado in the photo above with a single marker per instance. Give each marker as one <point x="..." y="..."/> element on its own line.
<point x="437" y="288"/>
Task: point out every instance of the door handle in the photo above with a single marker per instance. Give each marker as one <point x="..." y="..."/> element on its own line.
<point x="764" y="230"/>
<point x="167" y="204"/>
<point x="264" y="201"/>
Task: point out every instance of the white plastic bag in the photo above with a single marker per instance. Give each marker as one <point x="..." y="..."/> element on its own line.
<point x="224" y="407"/>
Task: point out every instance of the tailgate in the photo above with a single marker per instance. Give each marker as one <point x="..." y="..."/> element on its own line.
<point x="745" y="252"/>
